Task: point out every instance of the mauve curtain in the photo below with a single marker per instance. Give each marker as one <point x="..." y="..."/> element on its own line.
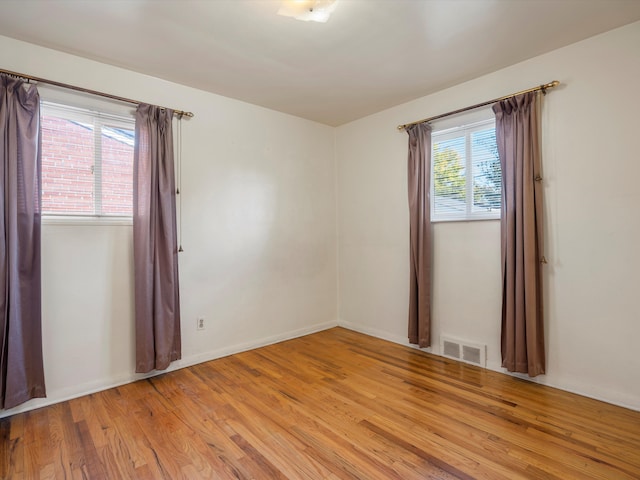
<point x="155" y="246"/>
<point x="518" y="139"/>
<point x="419" y="176"/>
<point x="21" y="366"/>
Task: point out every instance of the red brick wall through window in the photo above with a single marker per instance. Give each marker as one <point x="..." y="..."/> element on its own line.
<point x="68" y="169"/>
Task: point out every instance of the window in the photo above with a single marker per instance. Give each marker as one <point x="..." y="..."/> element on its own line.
<point x="87" y="162"/>
<point x="466" y="179"/>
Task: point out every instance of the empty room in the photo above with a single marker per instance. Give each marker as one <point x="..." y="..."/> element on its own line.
<point x="320" y="239"/>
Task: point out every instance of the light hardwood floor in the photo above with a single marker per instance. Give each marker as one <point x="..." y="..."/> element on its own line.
<point x="336" y="404"/>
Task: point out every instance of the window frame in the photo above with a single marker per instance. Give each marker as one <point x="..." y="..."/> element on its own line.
<point x="454" y="131"/>
<point x="100" y="114"/>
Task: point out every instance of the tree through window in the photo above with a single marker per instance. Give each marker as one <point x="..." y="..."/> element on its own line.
<point x="466" y="177"/>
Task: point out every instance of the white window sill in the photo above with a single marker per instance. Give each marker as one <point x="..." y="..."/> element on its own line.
<point x="465" y="219"/>
<point x="84" y="220"/>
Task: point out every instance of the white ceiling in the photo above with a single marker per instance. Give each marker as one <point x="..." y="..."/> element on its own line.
<point x="370" y="55"/>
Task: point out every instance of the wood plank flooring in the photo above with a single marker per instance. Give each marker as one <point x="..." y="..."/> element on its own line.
<point x="332" y="405"/>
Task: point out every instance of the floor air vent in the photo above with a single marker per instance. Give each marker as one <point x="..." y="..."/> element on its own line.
<point x="464" y="351"/>
<point x="451" y="349"/>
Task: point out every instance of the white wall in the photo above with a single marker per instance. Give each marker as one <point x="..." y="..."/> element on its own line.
<point x="258" y="216"/>
<point x="259" y="228"/>
<point x="591" y="170"/>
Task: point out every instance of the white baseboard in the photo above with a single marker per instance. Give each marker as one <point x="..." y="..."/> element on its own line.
<point x="69" y="393"/>
<point x="243" y="347"/>
<point x="620" y="401"/>
<point x="76" y="391"/>
<point x="381" y="334"/>
<point x="623" y="401"/>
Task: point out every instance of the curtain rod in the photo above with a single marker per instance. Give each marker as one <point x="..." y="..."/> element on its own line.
<point x="86" y="90"/>
<point x="542" y="88"/>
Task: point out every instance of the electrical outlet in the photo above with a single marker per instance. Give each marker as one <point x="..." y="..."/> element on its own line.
<point x="200" y="323"/>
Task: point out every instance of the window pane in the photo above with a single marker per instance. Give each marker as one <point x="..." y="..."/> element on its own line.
<point x="67" y="166"/>
<point x="487" y="179"/>
<point x="449" y="183"/>
<point x="117" y="171"/>
<point x="87" y="162"/>
<point x="466" y="181"/>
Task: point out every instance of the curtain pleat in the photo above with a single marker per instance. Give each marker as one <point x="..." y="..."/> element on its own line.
<point x="419" y="178"/>
<point x="518" y="139"/>
<point x="157" y="298"/>
<point x="21" y="362"/>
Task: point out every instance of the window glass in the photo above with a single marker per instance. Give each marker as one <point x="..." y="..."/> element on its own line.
<point x="87" y="162"/>
<point x="466" y="176"/>
<point x="487" y="174"/>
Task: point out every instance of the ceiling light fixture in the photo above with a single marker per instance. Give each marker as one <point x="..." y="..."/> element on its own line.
<point x="308" y="10"/>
